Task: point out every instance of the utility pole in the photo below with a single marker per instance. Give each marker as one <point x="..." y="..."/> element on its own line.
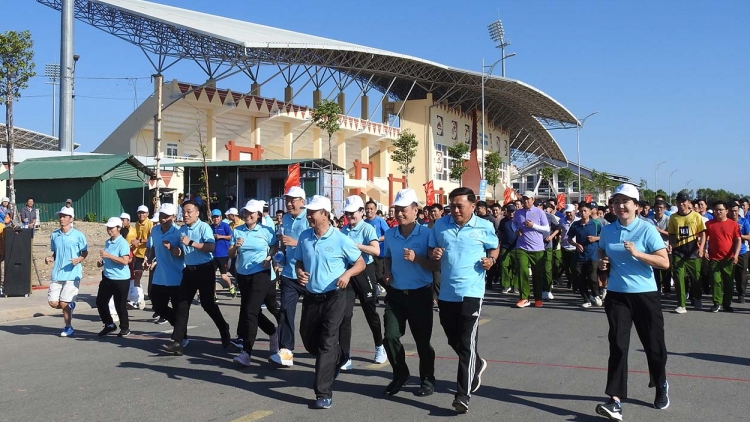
<point x="157" y="136"/>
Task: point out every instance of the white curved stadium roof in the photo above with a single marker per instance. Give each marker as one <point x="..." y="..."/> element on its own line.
<point x="216" y="41"/>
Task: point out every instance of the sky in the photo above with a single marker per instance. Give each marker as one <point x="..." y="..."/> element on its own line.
<point x="669" y="78"/>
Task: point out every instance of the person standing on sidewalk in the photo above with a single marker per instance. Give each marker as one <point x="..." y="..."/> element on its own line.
<point x="166" y="267"/>
<point x="293" y="224"/>
<point x="322" y="257"/>
<point x="724" y="242"/>
<point x="632" y="248"/>
<point x="69" y="249"/>
<point x="196" y="245"/>
<point x="408" y="279"/>
<point x="362" y="285"/>
<point x="466" y="247"/>
<point x="740" y="269"/>
<point x="687" y="236"/>
<point x="114" y="260"/>
<point x="531" y="227"/>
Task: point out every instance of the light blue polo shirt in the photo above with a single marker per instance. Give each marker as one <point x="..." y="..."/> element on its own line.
<point x="461" y="270"/>
<point x="254" y="250"/>
<point x="168" y="270"/>
<point x="268" y="222"/>
<point x="293" y="227"/>
<point x="407" y="275"/>
<point x="199" y="232"/>
<point x="363" y="234"/>
<point x="112" y="270"/>
<point x="67" y="246"/>
<point x="326" y="259"/>
<point x="628" y="274"/>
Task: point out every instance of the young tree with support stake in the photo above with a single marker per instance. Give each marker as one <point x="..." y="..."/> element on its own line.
<point x="457" y="152"/>
<point x="492" y="163"/>
<point x="16" y="68"/>
<point x="406" y="149"/>
<point x="326" y="117"/>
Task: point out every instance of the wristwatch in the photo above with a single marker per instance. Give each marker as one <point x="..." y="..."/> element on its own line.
<point x="190" y="243"/>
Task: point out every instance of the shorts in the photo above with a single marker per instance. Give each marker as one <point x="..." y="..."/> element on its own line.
<point x="138" y="264"/>
<point x="222" y="264"/>
<point x="63" y="291"/>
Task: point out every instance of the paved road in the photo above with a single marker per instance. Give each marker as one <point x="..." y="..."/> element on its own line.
<point x="545" y="365"/>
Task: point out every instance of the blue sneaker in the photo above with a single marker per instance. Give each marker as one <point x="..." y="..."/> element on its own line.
<point x="323" y="402"/>
<point x="71" y="305"/>
<point x="67" y="332"/>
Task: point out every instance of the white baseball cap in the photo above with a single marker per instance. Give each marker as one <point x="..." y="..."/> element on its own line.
<point x="5" y="199"/>
<point x="296" y="192"/>
<point x="353" y="203"/>
<point x="319" y="202"/>
<point x="628" y="190"/>
<point x="142" y="208"/>
<point x="528" y="194"/>
<point x="405" y="197"/>
<point x="570" y="208"/>
<point x="232" y="211"/>
<point x="125" y="216"/>
<point x="253" y="206"/>
<point x="66" y="211"/>
<point x="114" y="222"/>
<point x="166" y="208"/>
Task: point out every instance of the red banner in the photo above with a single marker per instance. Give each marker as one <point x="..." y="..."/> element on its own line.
<point x="508" y="196"/>
<point x="294" y="177"/>
<point x="589" y="198"/>
<point x="429" y="191"/>
<point x="560" y="201"/>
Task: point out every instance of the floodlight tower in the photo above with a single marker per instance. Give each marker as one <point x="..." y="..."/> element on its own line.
<point x="497" y="34"/>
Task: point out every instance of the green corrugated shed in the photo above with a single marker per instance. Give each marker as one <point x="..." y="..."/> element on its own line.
<point x="99" y="185"/>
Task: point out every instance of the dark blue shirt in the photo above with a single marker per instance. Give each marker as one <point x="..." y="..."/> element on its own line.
<point x="581" y="233"/>
<point x="222" y="245"/>
<point x="506" y="234"/>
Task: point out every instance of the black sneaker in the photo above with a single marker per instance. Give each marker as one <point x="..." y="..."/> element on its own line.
<point x="238" y="343"/>
<point x="123" y="333"/>
<point x="661" y="401"/>
<point x="174" y="348"/>
<point x="715" y="308"/>
<point x="611" y="409"/>
<point x="107" y="329"/>
<point x="161" y="321"/>
<point x="461" y="405"/>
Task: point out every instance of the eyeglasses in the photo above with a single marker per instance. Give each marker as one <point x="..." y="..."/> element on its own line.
<point x="720" y="209"/>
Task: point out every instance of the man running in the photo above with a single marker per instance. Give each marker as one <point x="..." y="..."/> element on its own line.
<point x="723" y="237"/>
<point x="687" y="237"/>
<point x="531" y="226"/>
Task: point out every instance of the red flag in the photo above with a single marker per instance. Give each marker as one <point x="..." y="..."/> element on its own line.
<point x="429" y="190"/>
<point x="294" y="177"/>
<point x="560" y="201"/>
<point x="589" y="198"/>
<point x="508" y="195"/>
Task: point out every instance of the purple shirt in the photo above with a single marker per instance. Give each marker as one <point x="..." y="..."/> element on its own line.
<point x="532" y="240"/>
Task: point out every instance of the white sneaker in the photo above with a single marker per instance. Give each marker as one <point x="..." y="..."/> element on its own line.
<point x="604" y="293"/>
<point x="243" y="359"/>
<point x="273" y="342"/>
<point x="592" y="299"/>
<point x="550" y="296"/>
<point x="506" y="290"/>
<point x="586" y="305"/>
<point x="598" y="301"/>
<point x="284" y="357"/>
<point x="380" y="355"/>
<point x="680" y="310"/>
<point x="347" y="366"/>
<point x="545" y="295"/>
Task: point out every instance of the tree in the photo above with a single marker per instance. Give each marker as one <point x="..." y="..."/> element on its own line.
<point x="457" y="152"/>
<point x="16" y="67"/>
<point x="566" y="177"/>
<point x="548" y="174"/>
<point x="326" y="117"/>
<point x="602" y="181"/>
<point x="406" y="149"/>
<point x="587" y="186"/>
<point x="492" y="163"/>
<point x="203" y="191"/>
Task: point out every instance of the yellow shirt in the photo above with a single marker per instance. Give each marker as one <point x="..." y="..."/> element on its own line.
<point x="142" y="232"/>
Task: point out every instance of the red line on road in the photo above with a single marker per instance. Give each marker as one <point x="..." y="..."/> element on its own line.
<point x="585" y="368"/>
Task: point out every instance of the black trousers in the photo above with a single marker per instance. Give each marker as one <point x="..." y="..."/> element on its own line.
<point x="740" y="276"/>
<point x="291" y="291"/>
<point x="361" y="286"/>
<point x="460" y="321"/>
<point x="588" y="282"/>
<point x="435" y="285"/>
<point x="255" y="289"/>
<point x="202" y="279"/>
<point x="644" y="311"/>
<point x="379" y="266"/>
<point x="119" y="290"/>
<point x="414" y="307"/>
<point x="664" y="277"/>
<point x="161" y="296"/>
<point x="319" y="329"/>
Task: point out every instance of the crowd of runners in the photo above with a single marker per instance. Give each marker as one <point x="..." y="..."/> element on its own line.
<point x="626" y="255"/>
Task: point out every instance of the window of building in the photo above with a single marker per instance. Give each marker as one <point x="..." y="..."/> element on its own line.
<point x="516" y="186"/>
<point x="250" y="189"/>
<point x="544" y="184"/>
<point x="171" y="150"/>
<point x="277" y="188"/>
<point x="530" y="182"/>
<point x="442" y="163"/>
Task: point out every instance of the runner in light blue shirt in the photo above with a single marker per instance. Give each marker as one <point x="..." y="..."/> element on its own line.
<point x="168" y="271"/>
<point x="114" y="260"/>
<point x="198" y="232"/>
<point x="326" y="258"/>
<point x="255" y="247"/>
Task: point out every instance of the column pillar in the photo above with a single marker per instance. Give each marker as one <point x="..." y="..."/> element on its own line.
<point x="255" y="89"/>
<point x="365" y="112"/>
<point x="364" y="155"/>
<point x="288" y="94"/>
<point x="317" y="143"/>
<point x="342" y="102"/>
<point x="340" y="143"/>
<point x="385" y="158"/>
<point x="317" y="95"/>
<point x="288" y="137"/>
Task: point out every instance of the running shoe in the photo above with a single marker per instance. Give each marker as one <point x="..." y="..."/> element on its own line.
<point x="107" y="329"/>
<point x="380" y="355"/>
<point x="661" y="401"/>
<point x="461" y="405"/>
<point x="233" y="292"/>
<point x="323" y="402"/>
<point x="478" y="378"/>
<point x="243" y="359"/>
<point x="611" y="409"/>
<point x="284" y="357"/>
<point x="523" y="303"/>
<point x="680" y="310"/>
<point x="123" y="333"/>
<point x="67" y="331"/>
<point x="347" y="366"/>
<point x="161" y="321"/>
